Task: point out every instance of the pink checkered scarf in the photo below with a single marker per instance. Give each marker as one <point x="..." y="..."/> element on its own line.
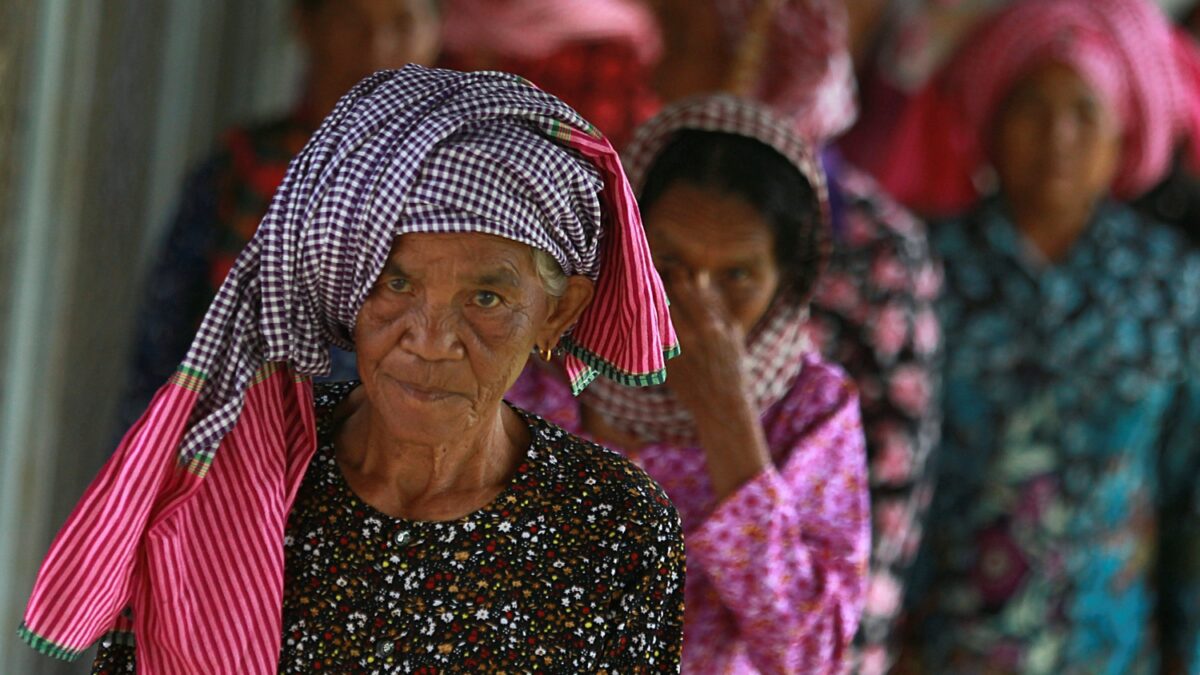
<point x="1146" y="70"/>
<point x="776" y="347"/>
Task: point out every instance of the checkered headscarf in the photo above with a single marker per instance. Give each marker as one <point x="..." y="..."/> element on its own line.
<point x="425" y="150"/>
<point x="776" y="347"/>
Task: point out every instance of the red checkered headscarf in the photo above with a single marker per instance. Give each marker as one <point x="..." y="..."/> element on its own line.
<point x="1142" y="67"/>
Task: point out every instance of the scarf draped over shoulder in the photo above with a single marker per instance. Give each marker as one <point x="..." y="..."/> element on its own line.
<point x="185" y="522"/>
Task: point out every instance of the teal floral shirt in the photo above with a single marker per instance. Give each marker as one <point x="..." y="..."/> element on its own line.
<point x="1065" y="531"/>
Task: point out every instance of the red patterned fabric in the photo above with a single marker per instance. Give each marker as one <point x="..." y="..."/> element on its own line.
<point x="806" y="70"/>
<point x="1127" y="50"/>
<point x="536" y="29"/>
<point x="596" y="55"/>
<point x="604" y="80"/>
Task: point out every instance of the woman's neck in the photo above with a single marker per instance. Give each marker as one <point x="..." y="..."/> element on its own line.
<point x="429" y="480"/>
<point x="1053" y="231"/>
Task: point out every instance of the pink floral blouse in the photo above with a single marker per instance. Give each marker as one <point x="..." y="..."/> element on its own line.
<point x="776" y="573"/>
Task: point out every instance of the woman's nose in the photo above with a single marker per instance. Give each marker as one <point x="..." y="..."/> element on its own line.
<point x="1063" y="130"/>
<point x="433" y="336"/>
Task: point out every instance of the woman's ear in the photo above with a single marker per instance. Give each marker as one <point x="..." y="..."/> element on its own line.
<point x="565" y="309"/>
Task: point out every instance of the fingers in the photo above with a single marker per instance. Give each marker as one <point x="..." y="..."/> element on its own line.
<point x="699" y="304"/>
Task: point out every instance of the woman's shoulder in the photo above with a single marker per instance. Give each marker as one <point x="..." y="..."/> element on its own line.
<point x="821" y="392"/>
<point x="591" y="471"/>
<point x="1159" y="254"/>
<point x="823" y="380"/>
<point x="327" y="400"/>
<point x="888" y="221"/>
<point x="327" y="395"/>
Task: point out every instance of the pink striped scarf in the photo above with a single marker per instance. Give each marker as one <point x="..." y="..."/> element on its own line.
<point x="776" y="347"/>
<point x="185" y="522"/>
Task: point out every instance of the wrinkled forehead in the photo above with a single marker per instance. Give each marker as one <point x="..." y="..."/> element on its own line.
<point x="432" y="251"/>
<point x="459" y="261"/>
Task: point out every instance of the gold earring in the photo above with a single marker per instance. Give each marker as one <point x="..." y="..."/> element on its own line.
<point x="546" y="353"/>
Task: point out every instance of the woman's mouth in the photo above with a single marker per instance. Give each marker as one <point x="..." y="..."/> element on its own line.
<point x="423" y="392"/>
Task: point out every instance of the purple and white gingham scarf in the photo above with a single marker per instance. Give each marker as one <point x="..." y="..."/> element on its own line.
<point x="426" y="150"/>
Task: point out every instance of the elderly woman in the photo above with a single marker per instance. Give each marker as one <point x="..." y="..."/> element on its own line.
<point x="1064" y="533"/>
<point x="754" y="437"/>
<point x="445" y="225"/>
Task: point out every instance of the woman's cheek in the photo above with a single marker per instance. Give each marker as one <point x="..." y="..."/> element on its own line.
<point x="498" y="330"/>
<point x="499" y="341"/>
<point x="379" y="326"/>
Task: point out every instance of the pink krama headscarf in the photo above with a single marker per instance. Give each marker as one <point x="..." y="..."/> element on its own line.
<point x="1127" y="50"/>
<point x="793" y="55"/>
<point x="535" y="29"/>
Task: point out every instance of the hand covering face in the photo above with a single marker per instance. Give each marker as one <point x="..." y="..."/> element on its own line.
<point x="778" y="344"/>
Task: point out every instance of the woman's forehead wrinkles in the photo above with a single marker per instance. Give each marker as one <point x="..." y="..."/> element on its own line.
<point x="466" y="257"/>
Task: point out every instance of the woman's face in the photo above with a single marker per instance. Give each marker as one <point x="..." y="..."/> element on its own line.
<point x="448" y="327"/>
<point x="350" y="39"/>
<point x="719" y="241"/>
<point x="1057" y="143"/>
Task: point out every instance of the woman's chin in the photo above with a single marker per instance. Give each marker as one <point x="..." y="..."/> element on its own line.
<point x="440" y="413"/>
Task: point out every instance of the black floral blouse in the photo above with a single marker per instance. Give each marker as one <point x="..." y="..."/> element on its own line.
<point x="577" y="566"/>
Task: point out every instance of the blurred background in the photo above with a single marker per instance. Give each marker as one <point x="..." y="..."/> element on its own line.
<point x="105" y="105"/>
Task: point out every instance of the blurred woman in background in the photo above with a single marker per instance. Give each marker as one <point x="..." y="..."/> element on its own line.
<point x="756" y="439"/>
<point x="872" y="310"/>
<point x="227" y="194"/>
<point x="1064" y="532"/>
<point x="595" y="54"/>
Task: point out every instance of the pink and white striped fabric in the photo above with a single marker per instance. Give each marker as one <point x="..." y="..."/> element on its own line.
<point x="185" y="522"/>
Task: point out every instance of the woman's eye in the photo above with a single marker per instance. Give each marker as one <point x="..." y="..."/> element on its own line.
<point x="1088" y="110"/>
<point x="487" y="299"/>
<point x="665" y="265"/>
<point x="738" y="274"/>
<point x="399" y="285"/>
